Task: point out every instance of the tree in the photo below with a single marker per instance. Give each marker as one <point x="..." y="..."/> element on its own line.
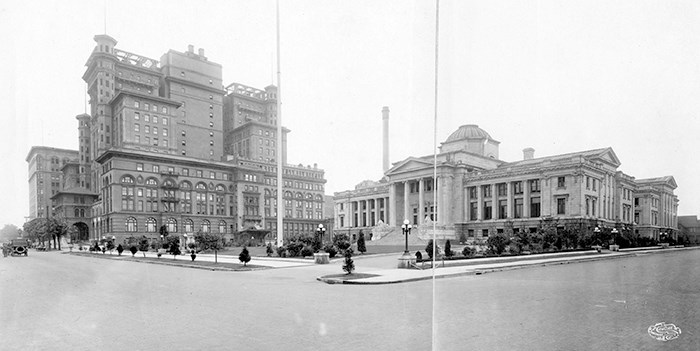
<point x="120" y="249"/>
<point x="497" y="243"/>
<point x="143" y="245"/>
<point x="268" y="250"/>
<point x="448" y="248"/>
<point x="361" y="243"/>
<point x="244" y="256"/>
<point x="348" y="264"/>
<point x="209" y="241"/>
<point x="175" y="249"/>
<point x="429" y="249"/>
<point x="133" y="250"/>
<point x="9" y="232"/>
<point x="110" y="246"/>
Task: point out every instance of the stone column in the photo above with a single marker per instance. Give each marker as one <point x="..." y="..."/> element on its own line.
<point x="421" y="201"/>
<point x="509" y="199"/>
<point x="376" y="211"/>
<point x="526" y="199"/>
<point x="367" y="213"/>
<point x="447" y="200"/>
<point x="391" y="204"/>
<point x="479" y="202"/>
<point x="546" y="197"/>
<point x="348" y="214"/>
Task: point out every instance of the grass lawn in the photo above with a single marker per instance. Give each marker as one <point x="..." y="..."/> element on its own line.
<point x="183" y="261"/>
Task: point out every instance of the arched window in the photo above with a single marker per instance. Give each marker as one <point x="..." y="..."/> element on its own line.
<point x="151" y="182"/>
<point x="77" y="212"/>
<point x="151" y="225"/>
<point x="205" y="226"/>
<point x="189" y="226"/>
<point x="220" y="188"/>
<point x="172" y="225"/>
<point x="82" y="213"/>
<point x="131" y="224"/>
<point x="201" y="186"/>
<point x="222" y="227"/>
<point x="169" y="183"/>
<point x="127" y="180"/>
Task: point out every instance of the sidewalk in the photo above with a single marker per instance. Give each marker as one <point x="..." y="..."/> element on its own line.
<point x="480" y="266"/>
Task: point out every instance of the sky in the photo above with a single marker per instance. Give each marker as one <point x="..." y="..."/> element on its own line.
<point x="557" y="76"/>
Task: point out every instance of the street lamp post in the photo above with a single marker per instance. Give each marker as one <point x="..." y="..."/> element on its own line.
<point x="406" y="228"/>
<point x="320" y="232"/>
<point x="614" y="246"/>
<point x="406" y="261"/>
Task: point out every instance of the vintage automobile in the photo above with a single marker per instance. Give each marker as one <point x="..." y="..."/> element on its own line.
<point x="19" y="247"/>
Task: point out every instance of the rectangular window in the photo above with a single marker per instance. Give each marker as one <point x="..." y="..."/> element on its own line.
<point x="517" y="188"/>
<point x="156" y="168"/>
<point x="147" y="129"/>
<point x="518" y="208"/>
<point x="561" y="206"/>
<point x="502" y="209"/>
<point x="147" y="117"/>
<point x="502" y="189"/>
<point x="594" y="181"/>
<point x="137" y="139"/>
<point x="472" y="192"/>
<point x="212" y="175"/>
<point x="473" y="211"/>
<point x="561" y="182"/>
<point x="137" y="116"/>
<point x="137" y="104"/>
<point x="199" y="173"/>
<point x="155" y="119"/>
<point x="534" y="207"/>
<point x="535" y="186"/>
<point x="487" y="210"/>
<point x="185" y="172"/>
<point x="486" y="190"/>
<point x="139" y="166"/>
<point x="136" y="127"/>
<point x="485" y="233"/>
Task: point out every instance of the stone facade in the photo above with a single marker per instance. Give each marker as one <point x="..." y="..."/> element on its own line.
<point x="162" y="148"/>
<point x="471" y="194"/>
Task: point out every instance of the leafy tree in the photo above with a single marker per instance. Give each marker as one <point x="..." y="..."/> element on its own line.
<point x="174" y="249"/>
<point x="331" y="250"/>
<point x="448" y="248"/>
<point x="429" y="249"/>
<point x="244" y="256"/>
<point x="348" y="264"/>
<point x="361" y="243"/>
<point x="209" y="241"/>
<point x="143" y="245"/>
<point x="110" y="246"/>
<point x="268" y="250"/>
<point x="497" y="243"/>
<point x="9" y="232"/>
<point x="163" y="230"/>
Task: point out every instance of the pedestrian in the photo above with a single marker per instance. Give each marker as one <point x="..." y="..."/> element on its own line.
<point x="193" y="255"/>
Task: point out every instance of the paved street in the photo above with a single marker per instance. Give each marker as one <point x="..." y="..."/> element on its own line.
<point x="54" y="301"/>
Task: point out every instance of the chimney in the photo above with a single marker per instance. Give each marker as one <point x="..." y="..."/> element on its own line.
<point x="190" y="48"/>
<point x="201" y="52"/>
<point x="528" y="153"/>
<point x="385" y="138"/>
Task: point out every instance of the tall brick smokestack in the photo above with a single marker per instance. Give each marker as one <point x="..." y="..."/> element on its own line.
<point x="385" y="139"/>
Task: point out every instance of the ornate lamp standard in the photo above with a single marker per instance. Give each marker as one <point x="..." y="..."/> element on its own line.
<point x="614" y="246"/>
<point x="320" y="232"/>
<point x="406" y="261"/>
<point x="406" y="228"/>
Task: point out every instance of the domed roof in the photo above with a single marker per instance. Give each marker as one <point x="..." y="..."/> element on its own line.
<point x="468" y="131"/>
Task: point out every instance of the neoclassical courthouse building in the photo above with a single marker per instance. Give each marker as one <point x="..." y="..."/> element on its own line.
<point x="478" y="194"/>
<point x="167" y="144"/>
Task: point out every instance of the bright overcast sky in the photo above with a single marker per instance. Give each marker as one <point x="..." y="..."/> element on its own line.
<point x="558" y="76"/>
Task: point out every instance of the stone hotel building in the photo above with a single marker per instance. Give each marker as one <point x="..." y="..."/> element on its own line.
<point x="166" y="144"/>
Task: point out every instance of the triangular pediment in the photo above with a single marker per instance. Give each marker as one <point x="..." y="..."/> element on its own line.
<point x="607" y="155"/>
<point x="408" y="165"/>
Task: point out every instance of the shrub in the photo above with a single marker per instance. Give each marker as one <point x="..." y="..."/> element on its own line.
<point x="448" y="249"/>
<point x="244" y="256"/>
<point x="331" y="250"/>
<point x="294" y="248"/>
<point x="429" y="249"/>
<point x="174" y="249"/>
<point x="281" y="251"/>
<point x="120" y="249"/>
<point x="462" y="238"/>
<point x="144" y="245"/>
<point x="133" y="250"/>
<point x="468" y="251"/>
<point x="307" y="251"/>
<point x="268" y="250"/>
<point x="348" y="264"/>
<point x="497" y="243"/>
<point x="361" y="243"/>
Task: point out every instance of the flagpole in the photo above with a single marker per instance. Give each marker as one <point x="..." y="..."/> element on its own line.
<point x="435" y="185"/>
<point x="280" y="199"/>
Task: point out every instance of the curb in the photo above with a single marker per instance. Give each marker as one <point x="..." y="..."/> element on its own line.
<point x="507" y="268"/>
<point x="173" y="263"/>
